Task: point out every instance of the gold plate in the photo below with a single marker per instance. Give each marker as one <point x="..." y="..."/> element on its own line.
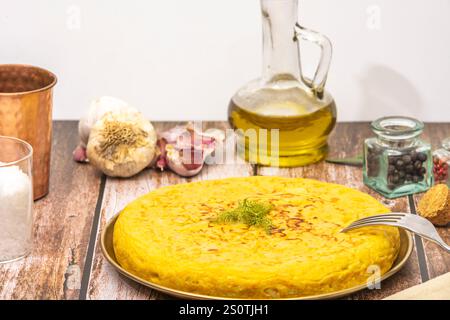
<point x="406" y="248"/>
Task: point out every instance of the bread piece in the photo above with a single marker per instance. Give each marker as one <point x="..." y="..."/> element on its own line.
<point x="435" y="205"/>
<point x="435" y="289"/>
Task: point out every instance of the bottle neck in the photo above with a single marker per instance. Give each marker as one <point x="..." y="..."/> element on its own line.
<point x="280" y="51"/>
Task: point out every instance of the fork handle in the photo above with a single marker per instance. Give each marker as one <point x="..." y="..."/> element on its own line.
<point x="445" y="246"/>
<point x="442" y="244"/>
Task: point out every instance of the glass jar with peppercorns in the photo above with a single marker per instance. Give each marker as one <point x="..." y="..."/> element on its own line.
<point x="397" y="162"/>
<point x="441" y="163"/>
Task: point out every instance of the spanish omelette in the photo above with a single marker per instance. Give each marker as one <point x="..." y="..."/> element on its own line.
<point x="169" y="237"/>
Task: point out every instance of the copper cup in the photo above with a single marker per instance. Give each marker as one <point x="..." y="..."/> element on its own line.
<point x="26" y="101"/>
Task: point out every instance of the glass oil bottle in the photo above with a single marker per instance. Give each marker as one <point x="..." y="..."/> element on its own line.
<point x="284" y="119"/>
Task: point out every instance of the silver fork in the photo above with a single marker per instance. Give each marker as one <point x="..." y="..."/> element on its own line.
<point x="411" y="222"/>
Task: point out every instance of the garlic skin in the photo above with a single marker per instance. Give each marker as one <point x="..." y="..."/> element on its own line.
<point x="176" y="164"/>
<point x="115" y="155"/>
<point x="184" y="150"/>
<point x="79" y="155"/>
<point x="98" y="108"/>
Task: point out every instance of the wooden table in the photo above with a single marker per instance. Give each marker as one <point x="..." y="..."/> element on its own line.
<point x="67" y="263"/>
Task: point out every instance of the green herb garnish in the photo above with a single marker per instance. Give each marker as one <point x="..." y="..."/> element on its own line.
<point x="251" y="213"/>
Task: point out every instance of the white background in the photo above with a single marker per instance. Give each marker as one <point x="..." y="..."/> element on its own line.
<point x="184" y="59"/>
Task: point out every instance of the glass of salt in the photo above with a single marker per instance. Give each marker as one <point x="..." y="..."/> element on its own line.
<point x="16" y="199"/>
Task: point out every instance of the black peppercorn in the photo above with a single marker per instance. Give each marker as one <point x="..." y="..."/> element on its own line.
<point x="422" y="157"/>
<point x="399" y="164"/>
<point x="395" y="178"/>
<point x="406" y="159"/>
<point x="409" y="168"/>
<point x="417" y="165"/>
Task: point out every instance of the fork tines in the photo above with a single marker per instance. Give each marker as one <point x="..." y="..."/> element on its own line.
<point x="385" y="219"/>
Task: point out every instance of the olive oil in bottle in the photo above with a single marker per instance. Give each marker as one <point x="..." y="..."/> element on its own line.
<point x="301" y="124"/>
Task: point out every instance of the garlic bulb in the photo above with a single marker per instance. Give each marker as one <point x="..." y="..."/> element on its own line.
<point x="97" y="110"/>
<point x="121" y="144"/>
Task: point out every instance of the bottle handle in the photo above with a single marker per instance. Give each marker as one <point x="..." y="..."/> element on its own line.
<point x="317" y="84"/>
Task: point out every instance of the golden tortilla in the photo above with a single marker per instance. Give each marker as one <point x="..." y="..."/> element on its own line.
<point x="168" y="237"/>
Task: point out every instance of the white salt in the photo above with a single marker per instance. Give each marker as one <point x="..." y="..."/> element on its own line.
<point x="16" y="213"/>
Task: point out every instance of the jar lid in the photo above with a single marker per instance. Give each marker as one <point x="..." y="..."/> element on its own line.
<point x="397" y="128"/>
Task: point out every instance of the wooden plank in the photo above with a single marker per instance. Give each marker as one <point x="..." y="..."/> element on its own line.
<point x="347" y="140"/>
<point x="105" y="283"/>
<point x="61" y="228"/>
<point x="438" y="261"/>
